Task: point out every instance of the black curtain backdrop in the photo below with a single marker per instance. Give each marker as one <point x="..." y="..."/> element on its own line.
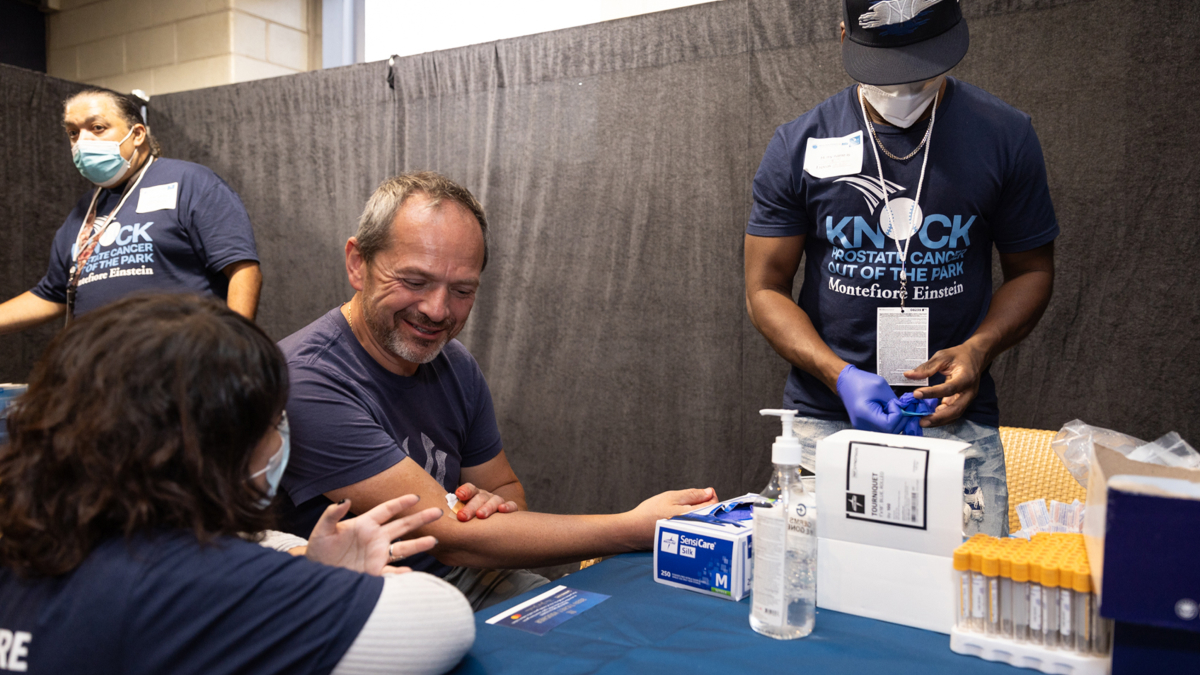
<point x="615" y="162"/>
<point x="40" y="185"/>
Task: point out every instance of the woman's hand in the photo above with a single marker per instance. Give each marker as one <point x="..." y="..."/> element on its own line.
<point x="480" y="503"/>
<point x="367" y="543"/>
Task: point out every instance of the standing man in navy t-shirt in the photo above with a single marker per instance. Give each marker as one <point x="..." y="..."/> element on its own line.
<point x="894" y="192"/>
<point x="385" y="402"/>
<point x="151" y="224"/>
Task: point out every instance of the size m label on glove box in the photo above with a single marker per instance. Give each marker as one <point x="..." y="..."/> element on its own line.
<point x="887" y="484"/>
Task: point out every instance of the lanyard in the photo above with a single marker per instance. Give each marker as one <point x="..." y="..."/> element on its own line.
<point x="85" y="243"/>
<point x="916" y="200"/>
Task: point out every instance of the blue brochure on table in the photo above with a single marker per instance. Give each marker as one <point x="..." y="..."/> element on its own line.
<point x="545" y="612"/>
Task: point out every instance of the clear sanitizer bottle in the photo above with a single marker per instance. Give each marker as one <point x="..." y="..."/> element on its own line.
<point x="783" y="602"/>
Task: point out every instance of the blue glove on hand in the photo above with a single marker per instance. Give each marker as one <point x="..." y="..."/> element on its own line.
<point x="866" y="397"/>
<point x="911" y="410"/>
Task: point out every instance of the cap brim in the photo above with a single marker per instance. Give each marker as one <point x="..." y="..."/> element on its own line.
<point x="912" y="63"/>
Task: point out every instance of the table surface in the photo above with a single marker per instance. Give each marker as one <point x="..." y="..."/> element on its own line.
<point x="646" y="627"/>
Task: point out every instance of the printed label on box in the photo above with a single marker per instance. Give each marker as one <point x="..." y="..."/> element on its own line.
<point x="887" y="484"/>
<point x="709" y="571"/>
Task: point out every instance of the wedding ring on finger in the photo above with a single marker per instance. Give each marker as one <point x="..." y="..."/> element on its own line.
<point x="391" y="556"/>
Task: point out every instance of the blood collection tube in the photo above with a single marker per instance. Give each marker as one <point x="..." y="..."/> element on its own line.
<point x="978" y="591"/>
<point x="1066" y="617"/>
<point x="1083" y="610"/>
<point x="1050" y="603"/>
<point x="962" y="573"/>
<point x="1035" y="602"/>
<point x="1101" y="630"/>
<point x="1020" y="599"/>
<point x="991" y="577"/>
<point x="1006" y="586"/>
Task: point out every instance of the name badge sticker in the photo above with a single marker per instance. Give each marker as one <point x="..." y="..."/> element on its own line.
<point x="158" y="198"/>
<point x="828" y="157"/>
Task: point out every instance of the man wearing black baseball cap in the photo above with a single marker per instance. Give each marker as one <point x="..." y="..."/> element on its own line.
<point x="894" y="192"/>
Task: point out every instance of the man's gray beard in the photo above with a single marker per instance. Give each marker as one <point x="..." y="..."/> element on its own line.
<point x="389" y="337"/>
<point x="399" y="347"/>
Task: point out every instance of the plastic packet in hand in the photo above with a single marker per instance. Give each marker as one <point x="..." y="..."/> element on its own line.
<point x="1076" y="437"/>
<point x="1170" y="450"/>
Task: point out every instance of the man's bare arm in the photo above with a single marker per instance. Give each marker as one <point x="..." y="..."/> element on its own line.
<point x="28" y="310"/>
<point x="245" y="285"/>
<point x="771" y="264"/>
<point x="1016" y="308"/>
<point x="523" y="538"/>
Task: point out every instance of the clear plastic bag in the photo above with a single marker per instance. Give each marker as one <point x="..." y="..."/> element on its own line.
<point x="1170" y="450"/>
<point x="1072" y="442"/>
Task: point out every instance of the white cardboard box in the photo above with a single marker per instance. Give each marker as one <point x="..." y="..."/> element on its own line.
<point x="889" y="516"/>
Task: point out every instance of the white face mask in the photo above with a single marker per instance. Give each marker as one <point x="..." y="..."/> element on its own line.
<point x="902" y="104"/>
<point x="277" y="464"/>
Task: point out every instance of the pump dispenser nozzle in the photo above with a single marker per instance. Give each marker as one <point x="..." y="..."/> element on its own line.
<point x="786" y="450"/>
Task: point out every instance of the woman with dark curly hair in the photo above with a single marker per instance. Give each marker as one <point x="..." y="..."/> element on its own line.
<point x="151" y="435"/>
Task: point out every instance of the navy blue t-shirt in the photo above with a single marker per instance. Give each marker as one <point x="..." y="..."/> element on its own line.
<point x="180" y="228"/>
<point x="352" y="419"/>
<point x="985" y="185"/>
<point x="166" y="604"/>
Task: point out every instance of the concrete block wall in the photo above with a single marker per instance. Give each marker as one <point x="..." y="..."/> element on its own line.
<point x="162" y="46"/>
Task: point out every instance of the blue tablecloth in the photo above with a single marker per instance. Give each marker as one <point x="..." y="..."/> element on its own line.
<point x="648" y="627"/>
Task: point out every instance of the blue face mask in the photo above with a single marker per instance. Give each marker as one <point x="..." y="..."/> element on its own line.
<point x="101" y="161"/>
<point x="276" y="465"/>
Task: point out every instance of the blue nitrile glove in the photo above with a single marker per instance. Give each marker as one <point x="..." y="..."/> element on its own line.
<point x="866" y="397"/>
<point x="912" y="409"/>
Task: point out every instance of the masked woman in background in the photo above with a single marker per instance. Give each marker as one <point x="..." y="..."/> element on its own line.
<point x="147" y="224"/>
<point x="152" y="434"/>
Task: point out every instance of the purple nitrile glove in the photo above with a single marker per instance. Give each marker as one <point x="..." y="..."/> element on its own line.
<point x="866" y="397"/>
<point x="912" y="409"/>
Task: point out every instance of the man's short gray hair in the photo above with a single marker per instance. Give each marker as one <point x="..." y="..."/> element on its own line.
<point x="375" y="225"/>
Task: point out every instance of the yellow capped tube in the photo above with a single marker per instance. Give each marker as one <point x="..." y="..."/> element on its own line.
<point x="991" y="575"/>
<point x="1020" y="599"/>
<point x="1050" y="603"/>
<point x="1036" y="635"/>
<point x="1066" y="617"/>
<point x="1006" y="586"/>
<point x="962" y="573"/>
<point x="1082" y="615"/>
<point x="978" y="591"/>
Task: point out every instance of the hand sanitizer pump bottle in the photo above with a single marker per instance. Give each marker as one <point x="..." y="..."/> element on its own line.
<point x="783" y="599"/>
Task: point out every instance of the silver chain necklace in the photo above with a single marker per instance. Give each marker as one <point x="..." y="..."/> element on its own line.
<point x="928" y="129"/>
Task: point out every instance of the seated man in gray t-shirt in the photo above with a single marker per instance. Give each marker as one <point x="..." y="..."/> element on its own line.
<point x="384" y="402"/>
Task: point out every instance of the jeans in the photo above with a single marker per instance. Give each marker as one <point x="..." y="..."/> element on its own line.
<point x="985" y="481"/>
